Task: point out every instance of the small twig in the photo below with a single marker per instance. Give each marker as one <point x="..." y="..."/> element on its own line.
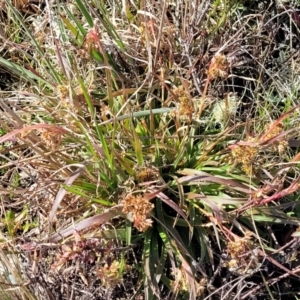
<point x="269" y="282"/>
<point x="277" y="264"/>
<point x="217" y="271"/>
<point x="16" y="284"/>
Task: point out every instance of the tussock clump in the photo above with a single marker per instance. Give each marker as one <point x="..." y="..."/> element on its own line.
<point x="144" y="111"/>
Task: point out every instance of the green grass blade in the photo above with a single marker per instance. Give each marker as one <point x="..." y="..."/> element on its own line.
<point x="85" y="12"/>
<point x="137" y="147"/>
<point x="34" y="41"/>
<point x="22" y="72"/>
<point x="79" y="26"/>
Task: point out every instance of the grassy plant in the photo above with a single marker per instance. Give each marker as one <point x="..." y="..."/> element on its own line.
<point x="149" y="149"/>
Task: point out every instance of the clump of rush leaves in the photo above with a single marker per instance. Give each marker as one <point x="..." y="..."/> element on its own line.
<point x="149" y="150"/>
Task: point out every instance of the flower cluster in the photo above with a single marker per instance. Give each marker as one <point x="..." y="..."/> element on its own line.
<point x="245" y="155"/>
<point x="181" y="282"/>
<point x="52" y="139"/>
<point x="274" y="130"/>
<point x="110" y="273"/>
<point x="219" y="67"/>
<point x="138" y="208"/>
<point x="147" y="174"/>
<point x="241" y="257"/>
<point x="186" y="106"/>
